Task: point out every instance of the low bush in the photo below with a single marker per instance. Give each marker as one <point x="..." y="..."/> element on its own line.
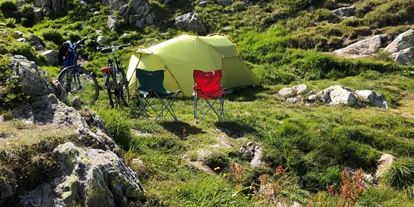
<point x="118" y="127"/>
<point x="52" y="35"/>
<point x="391" y="13"/>
<point x="25" y="49"/>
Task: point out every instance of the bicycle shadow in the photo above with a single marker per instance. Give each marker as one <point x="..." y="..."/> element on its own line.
<point x="235" y="129"/>
<point x="181" y="129"/>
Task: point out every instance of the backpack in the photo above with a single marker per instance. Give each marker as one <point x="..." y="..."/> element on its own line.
<point x="63" y="49"/>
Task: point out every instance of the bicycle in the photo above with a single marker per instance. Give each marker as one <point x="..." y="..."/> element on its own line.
<point x="75" y="79"/>
<point x="114" y="70"/>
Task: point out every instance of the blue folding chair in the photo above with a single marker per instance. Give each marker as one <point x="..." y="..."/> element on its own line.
<point x="151" y="88"/>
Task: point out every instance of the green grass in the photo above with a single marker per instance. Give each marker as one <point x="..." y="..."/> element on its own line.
<point x="282" y="43"/>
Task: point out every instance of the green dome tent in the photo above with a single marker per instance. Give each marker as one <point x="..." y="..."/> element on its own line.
<point x="179" y="56"/>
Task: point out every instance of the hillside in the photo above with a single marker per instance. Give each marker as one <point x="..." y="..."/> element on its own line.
<point x="308" y="152"/>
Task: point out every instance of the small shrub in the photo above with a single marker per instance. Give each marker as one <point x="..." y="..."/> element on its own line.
<point x="28" y="14"/>
<point x="23" y="48"/>
<point x="10" y="22"/>
<point x="52" y="35"/>
<point x="401" y="173"/>
<point x="351" y="189"/>
<point x="8" y="5"/>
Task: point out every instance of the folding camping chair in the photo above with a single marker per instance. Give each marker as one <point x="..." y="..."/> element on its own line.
<point x="207" y="86"/>
<point x="151" y="89"/>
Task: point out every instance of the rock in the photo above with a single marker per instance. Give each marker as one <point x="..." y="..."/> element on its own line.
<point x="60" y="92"/>
<point x="190" y="21"/>
<point x="52" y="56"/>
<point x="253" y="153"/>
<point x="18" y="34"/>
<point x="101" y="40"/>
<point x="384" y="163"/>
<point x="300" y="89"/>
<point x="33" y="78"/>
<point x="21" y="39"/>
<point x="136" y="6"/>
<point x="47" y="11"/>
<point x="38" y="13"/>
<point x="34" y="40"/>
<point x="403" y="41"/>
<point x="113" y="22"/>
<point x="286" y="92"/>
<point x="124" y="10"/>
<point x="345" y="11"/>
<point x="58" y="6"/>
<point x="405" y="56"/>
<point x="92" y="177"/>
<point x="294" y="100"/>
<point x="372" y="98"/>
<point x="362" y="48"/>
<point x="336" y="95"/>
<point x="204" y="154"/>
<point x="43" y="3"/>
<point x="313" y="98"/>
<point x="149" y="19"/>
<point x="77" y="103"/>
<point x="224" y="2"/>
<point x="257" y="157"/>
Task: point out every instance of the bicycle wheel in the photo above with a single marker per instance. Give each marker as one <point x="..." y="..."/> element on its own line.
<point x="81" y="84"/>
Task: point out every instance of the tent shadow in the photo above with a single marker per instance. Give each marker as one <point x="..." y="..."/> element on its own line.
<point x="246" y="94"/>
<point x="235" y="129"/>
<point x="181" y="129"/>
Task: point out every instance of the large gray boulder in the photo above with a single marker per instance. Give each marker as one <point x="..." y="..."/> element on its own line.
<point x="362" y="48"/>
<point x="113" y="22"/>
<point x="403" y="41"/>
<point x="92" y="177"/>
<point x="191" y="22"/>
<point x="32" y="77"/>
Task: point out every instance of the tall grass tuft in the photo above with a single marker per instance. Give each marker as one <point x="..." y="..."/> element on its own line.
<point x="118" y="127"/>
<point x="401" y="173"/>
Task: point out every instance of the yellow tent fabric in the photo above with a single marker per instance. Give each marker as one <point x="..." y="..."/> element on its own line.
<point x="179" y="56"/>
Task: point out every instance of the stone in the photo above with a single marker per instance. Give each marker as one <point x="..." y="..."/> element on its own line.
<point x="345" y="11"/>
<point x="21" y="39"/>
<point x="77" y="103"/>
<point x="51" y="56"/>
<point x="224" y="2"/>
<point x="190" y="21"/>
<point x="403" y="41"/>
<point x="361" y="48"/>
<point x="34" y="40"/>
<point x="336" y="95"/>
<point x="300" y="89"/>
<point x="113" y="22"/>
<point x="384" y="163"/>
<point x="38" y="13"/>
<point x="405" y="56"/>
<point x="285" y="92"/>
<point x="101" y="40"/>
<point x="372" y="98"/>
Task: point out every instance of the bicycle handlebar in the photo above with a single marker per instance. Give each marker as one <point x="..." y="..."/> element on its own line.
<point x="112" y="48"/>
<point x="75" y="45"/>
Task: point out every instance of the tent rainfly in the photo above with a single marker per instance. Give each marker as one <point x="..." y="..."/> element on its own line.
<point x="179" y="56"/>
